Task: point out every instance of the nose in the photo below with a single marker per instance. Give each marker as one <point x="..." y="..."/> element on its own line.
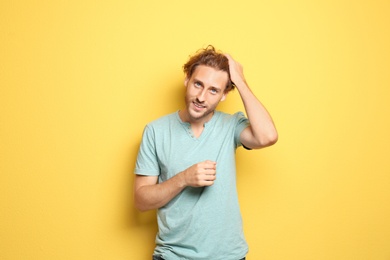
<point x="201" y="95"/>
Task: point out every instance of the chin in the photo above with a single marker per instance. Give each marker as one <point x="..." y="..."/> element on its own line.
<point x="199" y="116"/>
<point x="196" y="116"/>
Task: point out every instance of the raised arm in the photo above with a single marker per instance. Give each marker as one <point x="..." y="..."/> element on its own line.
<point x="261" y="132"/>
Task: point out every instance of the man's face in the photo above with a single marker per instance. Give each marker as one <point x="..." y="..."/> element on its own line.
<point x="205" y="89"/>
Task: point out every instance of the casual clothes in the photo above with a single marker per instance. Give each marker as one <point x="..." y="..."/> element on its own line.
<point x="199" y="223"/>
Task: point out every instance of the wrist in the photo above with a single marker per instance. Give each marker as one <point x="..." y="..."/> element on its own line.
<point x="181" y="179"/>
<point x="241" y="84"/>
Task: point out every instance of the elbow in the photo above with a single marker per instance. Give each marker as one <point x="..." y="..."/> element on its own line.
<point x="273" y="138"/>
<point x="267" y="140"/>
<point x="142" y="207"/>
<point x="140" y="204"/>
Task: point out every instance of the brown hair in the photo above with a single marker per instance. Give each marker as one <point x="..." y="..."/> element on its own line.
<point x="211" y="58"/>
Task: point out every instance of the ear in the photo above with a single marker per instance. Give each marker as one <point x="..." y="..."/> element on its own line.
<point x="186" y="81"/>
<point x="224" y="96"/>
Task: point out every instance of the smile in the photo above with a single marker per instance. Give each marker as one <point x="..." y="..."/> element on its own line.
<point x="198" y="105"/>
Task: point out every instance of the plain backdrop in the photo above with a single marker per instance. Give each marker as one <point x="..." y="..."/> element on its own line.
<point x="80" y="79"/>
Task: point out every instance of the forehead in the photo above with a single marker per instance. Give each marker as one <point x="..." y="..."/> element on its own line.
<point x="210" y="76"/>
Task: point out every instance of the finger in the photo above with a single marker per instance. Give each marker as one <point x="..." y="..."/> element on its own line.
<point x="209" y="164"/>
<point x="209" y="180"/>
<point x="228" y="56"/>
<point x="210" y="177"/>
<point x="209" y="161"/>
<point x="210" y="172"/>
<point x="207" y="183"/>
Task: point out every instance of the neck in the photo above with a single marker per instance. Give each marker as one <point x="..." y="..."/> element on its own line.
<point x="195" y="122"/>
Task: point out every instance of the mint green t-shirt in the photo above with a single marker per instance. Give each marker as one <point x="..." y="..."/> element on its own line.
<point x="199" y="223"/>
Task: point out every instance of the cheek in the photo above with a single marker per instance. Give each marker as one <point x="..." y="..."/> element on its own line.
<point x="192" y="91"/>
<point x="213" y="99"/>
<point x="190" y="94"/>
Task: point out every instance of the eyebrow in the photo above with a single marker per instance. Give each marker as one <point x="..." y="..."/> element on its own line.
<point x="198" y="81"/>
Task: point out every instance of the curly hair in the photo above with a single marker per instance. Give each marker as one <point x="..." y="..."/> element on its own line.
<point x="211" y="58"/>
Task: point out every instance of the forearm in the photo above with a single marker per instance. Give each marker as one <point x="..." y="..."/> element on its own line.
<point x="262" y="125"/>
<point x="154" y="196"/>
<point x="262" y="131"/>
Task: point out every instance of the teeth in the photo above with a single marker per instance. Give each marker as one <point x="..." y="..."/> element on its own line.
<point x="197" y="105"/>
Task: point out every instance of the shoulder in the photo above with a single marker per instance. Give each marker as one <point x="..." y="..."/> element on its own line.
<point x="162" y="121"/>
<point x="225" y="117"/>
<point x="156" y="128"/>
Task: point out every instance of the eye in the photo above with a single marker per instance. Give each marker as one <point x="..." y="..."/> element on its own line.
<point x="214" y="91"/>
<point x="197" y="84"/>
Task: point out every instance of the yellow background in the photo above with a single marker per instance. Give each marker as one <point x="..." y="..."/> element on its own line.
<point x="80" y="79"/>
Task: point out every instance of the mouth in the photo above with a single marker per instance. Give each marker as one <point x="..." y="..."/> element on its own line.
<point x="198" y="106"/>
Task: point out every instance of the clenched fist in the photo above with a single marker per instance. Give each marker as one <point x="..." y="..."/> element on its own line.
<point x="200" y="174"/>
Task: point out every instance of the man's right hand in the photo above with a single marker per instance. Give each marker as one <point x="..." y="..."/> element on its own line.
<point x="149" y="194"/>
<point x="200" y="174"/>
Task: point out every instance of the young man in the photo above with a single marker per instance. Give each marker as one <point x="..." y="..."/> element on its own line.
<point x="186" y="163"/>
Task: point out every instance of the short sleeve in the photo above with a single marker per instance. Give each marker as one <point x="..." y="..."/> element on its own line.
<point x="241" y="123"/>
<point x="147" y="161"/>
